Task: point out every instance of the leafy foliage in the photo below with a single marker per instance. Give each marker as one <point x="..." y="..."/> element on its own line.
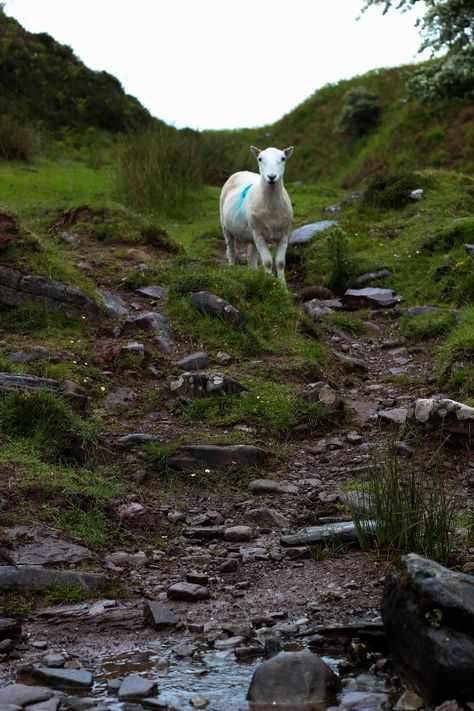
<point x="342" y="265"/>
<point x="360" y="112"/>
<point x="391" y="192"/>
<point x="17" y="141"/>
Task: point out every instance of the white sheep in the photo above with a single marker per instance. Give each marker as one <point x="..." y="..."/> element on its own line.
<point x="256" y="209"/>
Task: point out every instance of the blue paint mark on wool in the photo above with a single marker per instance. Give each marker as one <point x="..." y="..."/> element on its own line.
<point x="243" y="196"/>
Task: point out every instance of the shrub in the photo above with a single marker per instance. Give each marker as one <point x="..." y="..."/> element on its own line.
<point x="391" y="192"/>
<point x="342" y="266"/>
<point x="17" y="141"/>
<point x="451" y="77"/>
<point x="159" y="169"/>
<point x="360" y="112"/>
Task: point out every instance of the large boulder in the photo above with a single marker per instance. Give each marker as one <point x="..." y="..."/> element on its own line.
<point x="428" y="614"/>
<point x="292" y="680"/>
<point x="442" y="414"/>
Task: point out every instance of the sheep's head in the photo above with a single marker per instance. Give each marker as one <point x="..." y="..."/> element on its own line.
<point x="271" y="162"/>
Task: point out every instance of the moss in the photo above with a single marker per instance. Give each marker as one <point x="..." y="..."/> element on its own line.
<point x="428" y="325"/>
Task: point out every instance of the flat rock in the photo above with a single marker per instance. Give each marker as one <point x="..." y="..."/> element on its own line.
<point x="189" y="592"/>
<point x="421" y="310"/>
<point x="370" y="297"/>
<point x="35" y="578"/>
<point x="270" y="486"/>
<point x="136" y="439"/>
<point x="396" y="415"/>
<point x="239" y="533"/>
<point x="35" y="354"/>
<point x="101" y="617"/>
<point x="340" y="532"/>
<point x="304" y="234"/>
<point x="208" y="303"/>
<point x="136" y="687"/>
<point x="64" y="678"/>
<point x="322" y="393"/>
<point x="373" y="276"/>
<point x="23" y="694"/>
<point x="204" y="532"/>
<point x="114" y="305"/>
<point x="266" y="518"/>
<point x="194" y="361"/>
<point x="9" y="628"/>
<point x="191" y="385"/>
<point x="316" y="309"/>
<point x="218" y="457"/>
<point x="119" y="396"/>
<point x="151" y="322"/>
<point x="442" y="414"/>
<point x="50" y="705"/>
<point x="11" y="382"/>
<point x="351" y="363"/>
<point x="153" y="292"/>
<point x="42" y="546"/>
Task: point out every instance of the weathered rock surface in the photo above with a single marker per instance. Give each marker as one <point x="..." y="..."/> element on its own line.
<point x="153" y="292"/>
<point x="350" y="362"/>
<point x="292" y="680"/>
<point x="396" y="415"/>
<point x="9" y="628"/>
<point x="136" y="687"/>
<point x="118" y="396"/>
<point x="239" y="533"/>
<point x="100" y="616"/>
<point x="35" y="578"/>
<point x="373" y="276"/>
<point x="159" y="616"/>
<point x="266" y="518"/>
<point x="324" y="394"/>
<point x="152" y="322"/>
<point x="10" y="382"/>
<point x="194" y="361"/>
<point x="42" y="546"/>
<point x="208" y="303"/>
<point x="136" y="439"/>
<point x="187" y="591"/>
<point x="114" y="305"/>
<point x="442" y="414"/>
<point x="17" y="289"/>
<point x="304" y="234"/>
<point x="428" y="614"/>
<point x="64" y="678"/>
<point x="23" y="694"/>
<point x="191" y="385"/>
<point x="341" y="532"/>
<point x="218" y="457"/>
<point x="316" y="309"/>
<point x="370" y="297"/>
<point x="271" y="486"/>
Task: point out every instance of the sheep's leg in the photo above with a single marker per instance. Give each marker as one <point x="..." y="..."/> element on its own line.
<point x="264" y="252"/>
<point x="230" y="246"/>
<point x="280" y="258"/>
<point x="252" y="256"/>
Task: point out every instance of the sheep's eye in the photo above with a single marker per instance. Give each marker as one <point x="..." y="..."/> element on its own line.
<point x="259" y="160"/>
<point x="283" y="158"/>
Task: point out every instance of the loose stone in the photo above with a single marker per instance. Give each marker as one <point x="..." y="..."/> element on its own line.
<point x="135" y="687"/>
<point x="188" y="591"/>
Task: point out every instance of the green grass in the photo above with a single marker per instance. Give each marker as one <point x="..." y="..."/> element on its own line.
<point x="426" y="326"/>
<point x="348" y="323"/>
<point x="455" y="364"/>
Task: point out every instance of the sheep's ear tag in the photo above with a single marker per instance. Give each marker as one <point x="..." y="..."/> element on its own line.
<point x="288" y="151"/>
<point x="255" y="151"/>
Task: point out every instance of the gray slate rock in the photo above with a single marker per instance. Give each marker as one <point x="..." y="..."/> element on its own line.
<point x="64" y="678"/>
<point x="218" y="457"/>
<point x="351" y="363"/>
<point x="469" y="249"/>
<point x="11" y="382"/>
<point x="35" y="578"/>
<point x="189" y="592"/>
<point x="17" y="289"/>
<point x="373" y="276"/>
<point x="119" y="396"/>
<point x="50" y="705"/>
<point x="316" y="309"/>
<point x="114" y="305"/>
<point x="397" y="415"/>
<point x="136" y="439"/>
<point x="370" y="297"/>
<point x="159" y="616"/>
<point x="42" y="546"/>
<point x="236" y="534"/>
<point x="270" y="486"/>
<point x="136" y="687"/>
<point x="191" y="385"/>
<point x="443" y="414"/>
<point x="204" y="533"/>
<point x="304" y="234"/>
<point x="323" y="394"/>
<point x="343" y="532"/>
<point x="36" y="353"/>
<point x="293" y="680"/>
<point x="195" y="361"/>
<point x="266" y="518"/>
<point x="9" y="628"/>
<point x="208" y="303"/>
<point x="152" y="322"/>
<point x="421" y="310"/>
<point x="153" y="292"/>
<point x="428" y="614"/>
<point x="23" y="694"/>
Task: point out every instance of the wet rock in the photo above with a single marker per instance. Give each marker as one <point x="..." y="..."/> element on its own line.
<point x="304" y="234"/>
<point x="324" y="394"/>
<point x="266" y="518"/>
<point x="293" y="679"/>
<point x="237" y="534"/>
<point x="248" y="651"/>
<point x="428" y="614"/>
<point x="189" y="592"/>
<point x="136" y="687"/>
<point x="198" y="702"/>
<point x="197" y="578"/>
<point x="159" y="616"/>
<point x="351" y="363"/>
<point x="218" y="457"/>
<point x="114" y="306"/>
<point x="55" y="660"/>
<point x="151" y="322"/>
<point x="153" y="292"/>
<point x="270" y="486"/>
<point x="442" y="414"/>
<point x="373" y="276"/>
<point x="103" y="616"/>
<point x="17" y="288"/>
<point x="371" y="298"/>
<point x="209" y="303"/>
<point x="396" y="415"/>
<point x="366" y="700"/>
<point x="42" y="546"/>
<point x="195" y="361"/>
<point x="191" y="385"/>
<point x="11" y="382"/>
<point x="23" y="695"/>
<point x="36" y="578"/>
<point x="64" y="678"/>
<point x="185" y="649"/>
<point x="50" y="705"/>
<point x="341" y="532"/>
<point x="9" y="628"/>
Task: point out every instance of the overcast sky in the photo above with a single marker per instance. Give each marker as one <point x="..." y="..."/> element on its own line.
<point x="222" y="64"/>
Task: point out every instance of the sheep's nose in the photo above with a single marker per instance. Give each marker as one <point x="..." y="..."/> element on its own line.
<point x="272" y="178"/>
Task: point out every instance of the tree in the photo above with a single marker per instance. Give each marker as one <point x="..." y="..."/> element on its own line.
<point x="446" y="25"/>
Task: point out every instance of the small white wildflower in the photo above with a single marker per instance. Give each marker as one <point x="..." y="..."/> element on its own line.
<point x="102" y="388"/>
<point x="208" y="471"/>
<point x="75" y="362"/>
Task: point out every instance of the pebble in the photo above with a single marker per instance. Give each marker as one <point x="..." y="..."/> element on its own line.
<point x="239" y="533"/>
<point x="135" y="686"/>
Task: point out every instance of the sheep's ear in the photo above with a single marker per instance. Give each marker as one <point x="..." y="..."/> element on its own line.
<point x="255" y="151"/>
<point x="288" y="151"/>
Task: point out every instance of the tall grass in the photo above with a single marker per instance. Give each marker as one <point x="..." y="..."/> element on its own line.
<point x="159" y="170"/>
<point x="412" y="508"/>
<point x="17" y="141"/>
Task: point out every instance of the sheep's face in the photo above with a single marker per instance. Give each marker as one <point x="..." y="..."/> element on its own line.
<point x="271" y="163"/>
